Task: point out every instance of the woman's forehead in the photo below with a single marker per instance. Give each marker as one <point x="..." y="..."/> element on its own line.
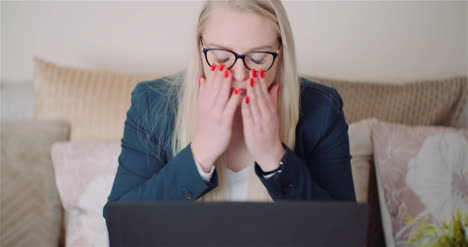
<point x="239" y="31"/>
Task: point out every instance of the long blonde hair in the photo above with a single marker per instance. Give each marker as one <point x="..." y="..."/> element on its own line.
<point x="288" y="100"/>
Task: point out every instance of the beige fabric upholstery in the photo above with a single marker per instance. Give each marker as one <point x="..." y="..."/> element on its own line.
<point x="31" y="212"/>
<point x="427" y="102"/>
<point x="360" y="145"/>
<point x="94" y="103"/>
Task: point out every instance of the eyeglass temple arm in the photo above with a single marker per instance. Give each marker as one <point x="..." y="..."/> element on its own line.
<point x="281" y="45"/>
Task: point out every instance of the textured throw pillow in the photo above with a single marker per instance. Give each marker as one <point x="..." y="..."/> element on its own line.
<point x="31" y="213"/>
<point x="422" y="102"/>
<point x="94" y="103"/>
<point x="421" y="172"/>
<point x="361" y="151"/>
<point x="84" y="173"/>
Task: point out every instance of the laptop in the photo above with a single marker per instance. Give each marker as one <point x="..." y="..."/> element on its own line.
<point x="223" y="224"/>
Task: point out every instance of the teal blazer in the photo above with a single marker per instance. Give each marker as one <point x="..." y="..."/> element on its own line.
<point x="319" y="167"/>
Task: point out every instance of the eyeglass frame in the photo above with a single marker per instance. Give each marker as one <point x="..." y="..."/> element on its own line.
<point x="241" y="56"/>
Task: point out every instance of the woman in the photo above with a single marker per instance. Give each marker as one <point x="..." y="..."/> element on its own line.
<point x="226" y="128"/>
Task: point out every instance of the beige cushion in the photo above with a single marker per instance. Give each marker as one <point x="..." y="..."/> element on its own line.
<point x="363" y="169"/>
<point x="94" y="103"/>
<point x="31" y="212"/>
<point x="421" y="172"/>
<point x="84" y="173"/>
<point x="426" y="102"/>
<point x="361" y="152"/>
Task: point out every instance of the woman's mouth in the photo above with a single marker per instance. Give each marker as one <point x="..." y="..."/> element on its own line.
<point x="242" y="91"/>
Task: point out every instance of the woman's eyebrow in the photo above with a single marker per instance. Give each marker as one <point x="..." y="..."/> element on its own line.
<point x="253" y="49"/>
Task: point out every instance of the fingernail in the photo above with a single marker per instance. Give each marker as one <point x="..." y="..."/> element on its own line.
<point x="262" y="73"/>
<point x="247" y="100"/>
<point x="236" y="91"/>
<point x="221" y="67"/>
<point x="252" y="82"/>
<point x="226" y="74"/>
<point x="213" y="67"/>
<point x="254" y="73"/>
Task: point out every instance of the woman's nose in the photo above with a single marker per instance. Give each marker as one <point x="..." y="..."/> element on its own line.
<point x="239" y="71"/>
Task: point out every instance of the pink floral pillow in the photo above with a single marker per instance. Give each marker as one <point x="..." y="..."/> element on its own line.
<point x="422" y="171"/>
<point x="84" y="174"/>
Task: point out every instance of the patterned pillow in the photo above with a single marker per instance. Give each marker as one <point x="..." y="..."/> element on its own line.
<point x="30" y="210"/>
<point x="84" y="173"/>
<point x="421" y="172"/>
<point x="93" y="102"/>
<point x="423" y="102"/>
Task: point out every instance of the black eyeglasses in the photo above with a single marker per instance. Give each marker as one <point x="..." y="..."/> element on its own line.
<point x="258" y="60"/>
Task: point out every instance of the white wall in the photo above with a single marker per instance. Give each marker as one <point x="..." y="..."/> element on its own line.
<point x="360" y="40"/>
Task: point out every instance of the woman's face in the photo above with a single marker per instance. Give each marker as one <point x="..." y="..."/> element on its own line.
<point x="240" y="32"/>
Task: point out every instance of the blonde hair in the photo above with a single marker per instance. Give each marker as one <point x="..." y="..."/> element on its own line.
<point x="288" y="100"/>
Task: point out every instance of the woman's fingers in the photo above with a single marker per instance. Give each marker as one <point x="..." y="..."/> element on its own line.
<point x="247" y="118"/>
<point x="225" y="90"/>
<point x="216" y="80"/>
<point x="253" y="104"/>
<point x="205" y="82"/>
<point x="263" y="101"/>
<point x="214" y="86"/>
<point x="232" y="105"/>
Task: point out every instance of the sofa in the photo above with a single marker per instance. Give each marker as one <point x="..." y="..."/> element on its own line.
<point x="60" y="141"/>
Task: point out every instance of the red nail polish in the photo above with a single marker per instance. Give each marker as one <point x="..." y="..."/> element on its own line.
<point x="226" y="74"/>
<point x="236" y="91"/>
<point x="213" y="67"/>
<point x="247" y="100"/>
<point x="262" y="73"/>
<point x="252" y="82"/>
<point x="254" y="73"/>
<point x="221" y="67"/>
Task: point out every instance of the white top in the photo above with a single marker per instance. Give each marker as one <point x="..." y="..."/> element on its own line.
<point x="236" y="182"/>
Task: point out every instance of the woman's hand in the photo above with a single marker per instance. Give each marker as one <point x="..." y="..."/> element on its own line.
<point x="261" y="122"/>
<point x="216" y="109"/>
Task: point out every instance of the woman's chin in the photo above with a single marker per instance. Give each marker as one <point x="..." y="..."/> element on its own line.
<point x="242" y="91"/>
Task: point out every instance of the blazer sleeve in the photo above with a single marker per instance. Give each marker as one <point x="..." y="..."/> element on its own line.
<point x="325" y="171"/>
<point x="143" y="176"/>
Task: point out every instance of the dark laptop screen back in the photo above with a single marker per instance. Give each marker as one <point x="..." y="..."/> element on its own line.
<point x="283" y="223"/>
